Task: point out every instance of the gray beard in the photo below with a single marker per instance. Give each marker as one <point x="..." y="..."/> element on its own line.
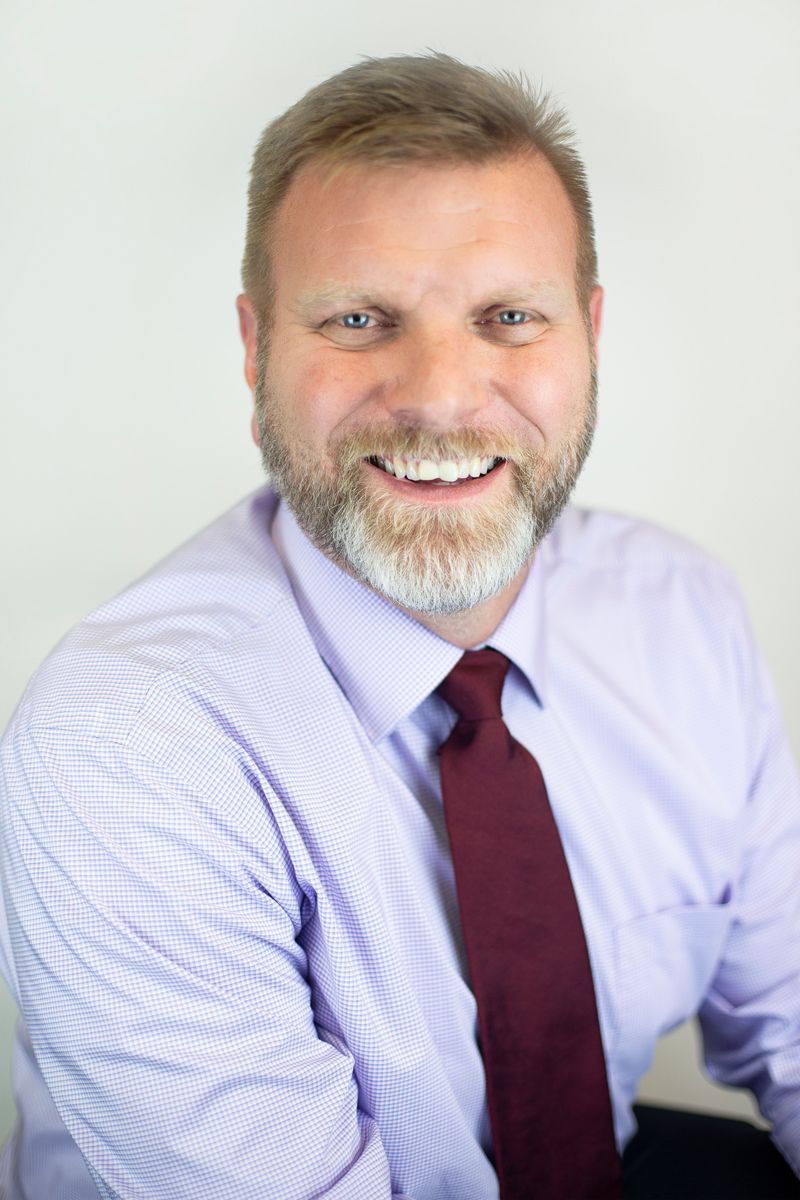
<point x="430" y="560"/>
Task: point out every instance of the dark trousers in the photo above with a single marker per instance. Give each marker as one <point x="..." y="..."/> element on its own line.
<point x="691" y="1156"/>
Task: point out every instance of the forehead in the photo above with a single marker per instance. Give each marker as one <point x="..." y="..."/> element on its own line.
<point x="412" y="220"/>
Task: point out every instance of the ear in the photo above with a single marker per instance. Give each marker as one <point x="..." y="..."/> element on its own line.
<point x="596" y="314"/>
<point x="248" y="328"/>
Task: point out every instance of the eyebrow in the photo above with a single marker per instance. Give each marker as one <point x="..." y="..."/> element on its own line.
<point x="532" y="293"/>
<point x="335" y="294"/>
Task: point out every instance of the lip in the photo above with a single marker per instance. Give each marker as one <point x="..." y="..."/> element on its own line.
<point x="435" y="491"/>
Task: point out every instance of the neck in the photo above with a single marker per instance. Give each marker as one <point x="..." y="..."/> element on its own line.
<point x="474" y="626"/>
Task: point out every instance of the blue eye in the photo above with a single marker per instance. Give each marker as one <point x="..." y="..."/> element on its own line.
<point x="358" y="329"/>
<point x="512" y="316"/>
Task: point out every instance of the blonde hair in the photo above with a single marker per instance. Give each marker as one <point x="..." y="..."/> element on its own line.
<point x="411" y="108"/>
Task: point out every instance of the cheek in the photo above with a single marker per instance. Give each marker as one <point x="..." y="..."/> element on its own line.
<point x="320" y="395"/>
<point x="549" y="387"/>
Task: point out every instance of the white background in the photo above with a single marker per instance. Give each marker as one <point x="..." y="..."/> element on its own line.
<point x="126" y="141"/>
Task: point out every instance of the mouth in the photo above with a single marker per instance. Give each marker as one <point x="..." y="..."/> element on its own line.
<point x="448" y="472"/>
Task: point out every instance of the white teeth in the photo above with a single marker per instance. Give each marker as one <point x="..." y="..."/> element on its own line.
<point x="446" y="470"/>
<point x="449" y="470"/>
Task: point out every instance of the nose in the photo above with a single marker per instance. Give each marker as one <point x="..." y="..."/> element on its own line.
<point x="440" y="381"/>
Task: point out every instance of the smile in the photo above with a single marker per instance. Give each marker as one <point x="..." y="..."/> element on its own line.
<point x="428" y="470"/>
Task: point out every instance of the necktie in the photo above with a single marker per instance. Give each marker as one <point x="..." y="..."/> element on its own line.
<point x="537" y="1019"/>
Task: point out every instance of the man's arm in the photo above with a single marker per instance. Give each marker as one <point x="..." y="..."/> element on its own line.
<point x="163" y="987"/>
<point x="751" y="1015"/>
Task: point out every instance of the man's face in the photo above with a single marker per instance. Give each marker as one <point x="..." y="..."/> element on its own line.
<point x="425" y="390"/>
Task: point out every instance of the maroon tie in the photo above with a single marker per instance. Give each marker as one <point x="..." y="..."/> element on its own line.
<point x="540" y="1039"/>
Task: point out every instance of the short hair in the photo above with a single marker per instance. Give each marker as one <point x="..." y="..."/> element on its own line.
<point x="411" y="108"/>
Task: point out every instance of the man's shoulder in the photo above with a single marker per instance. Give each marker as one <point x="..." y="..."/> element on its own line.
<point x="197" y="606"/>
<point x="602" y="540"/>
<point x="626" y="585"/>
<point x="609" y="571"/>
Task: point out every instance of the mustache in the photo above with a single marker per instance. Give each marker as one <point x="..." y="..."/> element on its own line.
<point x="413" y="442"/>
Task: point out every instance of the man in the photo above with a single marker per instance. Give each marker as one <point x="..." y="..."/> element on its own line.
<point x="293" y="908"/>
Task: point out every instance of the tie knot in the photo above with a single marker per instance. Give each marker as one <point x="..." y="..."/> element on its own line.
<point x="475" y="684"/>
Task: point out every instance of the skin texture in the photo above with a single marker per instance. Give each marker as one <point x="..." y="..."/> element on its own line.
<point x="464" y="277"/>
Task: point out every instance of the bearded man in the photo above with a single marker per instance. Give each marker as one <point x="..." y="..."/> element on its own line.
<point x="367" y="845"/>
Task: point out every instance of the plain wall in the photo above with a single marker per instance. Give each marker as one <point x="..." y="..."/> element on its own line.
<point x="125" y="152"/>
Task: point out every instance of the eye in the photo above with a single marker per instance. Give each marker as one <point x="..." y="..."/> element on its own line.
<point x="358" y="329"/>
<point x="511" y="326"/>
<point x="512" y="316"/>
<point x="356" y="320"/>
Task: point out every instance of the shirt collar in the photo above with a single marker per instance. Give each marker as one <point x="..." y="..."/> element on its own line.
<point x="521" y="633"/>
<point x="385" y="661"/>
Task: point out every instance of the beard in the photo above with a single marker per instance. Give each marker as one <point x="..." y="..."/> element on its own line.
<point x="437" y="560"/>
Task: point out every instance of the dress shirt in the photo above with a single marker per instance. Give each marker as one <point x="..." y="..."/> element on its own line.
<point x="229" y="908"/>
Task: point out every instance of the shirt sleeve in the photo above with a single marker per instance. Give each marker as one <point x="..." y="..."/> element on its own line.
<point x="154" y="944"/>
<point x="750" y="1018"/>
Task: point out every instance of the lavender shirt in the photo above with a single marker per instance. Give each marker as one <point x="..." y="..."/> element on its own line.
<point x="229" y="912"/>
